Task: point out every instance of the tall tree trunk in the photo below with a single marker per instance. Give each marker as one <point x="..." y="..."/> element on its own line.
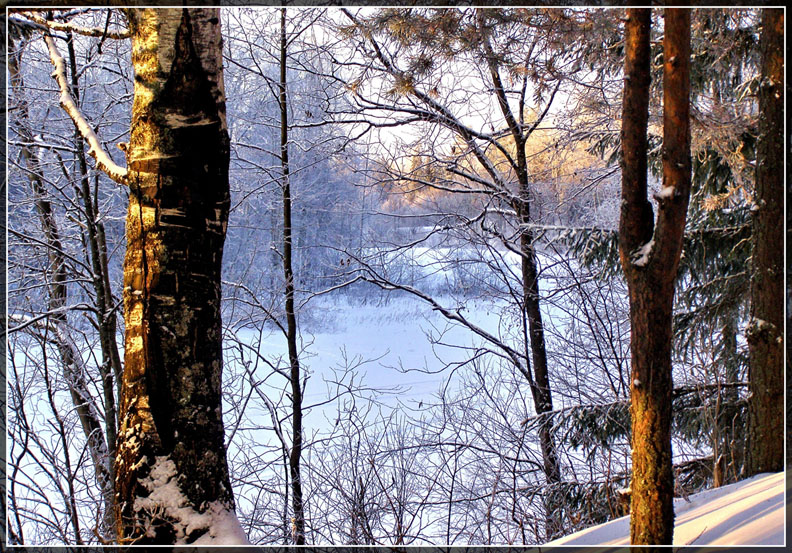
<point x="172" y="475"/>
<point x="540" y="387"/>
<point x="535" y="346"/>
<point x="650" y="257"/>
<point x="298" y="520"/>
<point x="764" y="335"/>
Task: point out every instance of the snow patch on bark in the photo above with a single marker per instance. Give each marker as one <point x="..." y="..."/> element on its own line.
<point x="225" y="528"/>
<point x="759" y="325"/>
<point x="665" y="192"/>
<point x="166" y="500"/>
<point x="640" y="257"/>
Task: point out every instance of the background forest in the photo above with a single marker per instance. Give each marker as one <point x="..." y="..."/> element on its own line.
<point x="425" y="324"/>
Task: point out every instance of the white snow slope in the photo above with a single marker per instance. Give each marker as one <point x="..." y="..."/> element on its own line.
<point x="750" y="512"/>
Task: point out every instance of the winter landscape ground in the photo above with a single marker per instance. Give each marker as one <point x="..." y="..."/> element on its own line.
<point x="750" y="512"/>
<point x="394" y="339"/>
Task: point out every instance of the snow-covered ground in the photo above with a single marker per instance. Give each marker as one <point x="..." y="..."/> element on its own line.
<point x="390" y="343"/>
<point x="750" y="512"/>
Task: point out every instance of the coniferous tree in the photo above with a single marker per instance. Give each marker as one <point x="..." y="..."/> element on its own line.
<point x="650" y="254"/>
<point x="711" y="306"/>
<point x="764" y="334"/>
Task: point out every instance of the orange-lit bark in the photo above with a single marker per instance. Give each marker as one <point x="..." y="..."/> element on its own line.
<point x="650" y="254"/>
<point x="178" y="159"/>
<point x="765" y="343"/>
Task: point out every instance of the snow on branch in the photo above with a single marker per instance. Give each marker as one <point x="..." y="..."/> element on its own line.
<point x="41" y="321"/>
<point x="665" y="193"/>
<point x="103" y="161"/>
<point x="97" y="32"/>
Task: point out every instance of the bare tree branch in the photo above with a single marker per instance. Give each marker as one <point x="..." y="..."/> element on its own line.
<point x="98" y="32"/>
<point x="103" y="161"/>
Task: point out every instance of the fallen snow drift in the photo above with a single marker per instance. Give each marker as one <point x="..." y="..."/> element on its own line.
<point x="750" y="512"/>
<point x="221" y="524"/>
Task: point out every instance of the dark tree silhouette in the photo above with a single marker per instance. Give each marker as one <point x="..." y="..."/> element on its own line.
<point x="764" y="334"/>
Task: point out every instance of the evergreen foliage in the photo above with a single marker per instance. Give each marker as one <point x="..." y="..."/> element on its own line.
<point x="602" y="430"/>
<point x="712" y="298"/>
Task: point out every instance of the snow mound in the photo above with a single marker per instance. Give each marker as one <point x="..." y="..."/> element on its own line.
<point x="165" y="497"/>
<point x="750" y="512"/>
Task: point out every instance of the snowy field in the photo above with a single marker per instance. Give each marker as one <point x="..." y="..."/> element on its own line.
<point x="750" y="512"/>
<point x="402" y="348"/>
<point x="396" y="342"/>
<point x="401" y="352"/>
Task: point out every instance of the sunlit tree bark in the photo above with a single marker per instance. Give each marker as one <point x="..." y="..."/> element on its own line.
<point x="172" y="478"/>
<point x="650" y="254"/>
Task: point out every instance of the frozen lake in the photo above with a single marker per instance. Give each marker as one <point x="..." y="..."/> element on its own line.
<point x="401" y="347"/>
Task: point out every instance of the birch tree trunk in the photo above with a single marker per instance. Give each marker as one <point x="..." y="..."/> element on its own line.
<point x="172" y="482"/>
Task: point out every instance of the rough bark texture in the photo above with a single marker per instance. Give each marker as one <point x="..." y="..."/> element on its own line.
<point x="650" y="257"/>
<point x="298" y="520"/>
<point x="788" y="148"/>
<point x="178" y="210"/>
<point x="764" y="334"/>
